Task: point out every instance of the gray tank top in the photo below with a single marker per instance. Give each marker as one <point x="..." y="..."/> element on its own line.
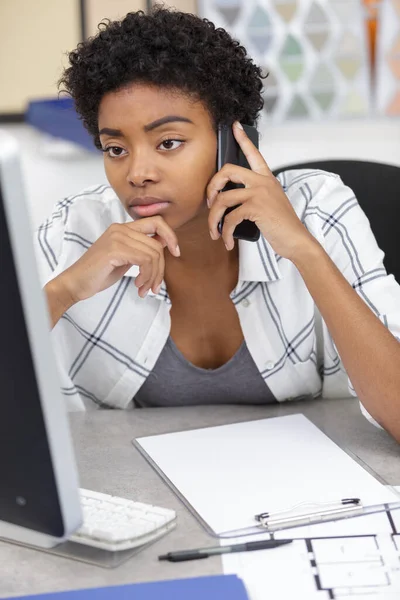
<point x="175" y="381"/>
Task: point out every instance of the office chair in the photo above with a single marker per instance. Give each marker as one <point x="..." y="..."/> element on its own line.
<point x="377" y="188"/>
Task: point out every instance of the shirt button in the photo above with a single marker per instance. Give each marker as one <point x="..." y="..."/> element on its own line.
<point x="269" y="365"/>
<point x="245" y="303"/>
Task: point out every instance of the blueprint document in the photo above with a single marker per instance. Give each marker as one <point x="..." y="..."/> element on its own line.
<point x="355" y="559"/>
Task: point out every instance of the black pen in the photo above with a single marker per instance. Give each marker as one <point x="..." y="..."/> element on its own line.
<point x="213" y="550"/>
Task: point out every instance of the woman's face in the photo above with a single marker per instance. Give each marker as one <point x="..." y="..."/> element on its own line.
<point x="161" y="148"/>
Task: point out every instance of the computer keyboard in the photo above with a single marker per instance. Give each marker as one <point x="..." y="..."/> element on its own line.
<point x="114" y="523"/>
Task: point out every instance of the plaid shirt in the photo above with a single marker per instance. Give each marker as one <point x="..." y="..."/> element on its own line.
<point x="108" y="344"/>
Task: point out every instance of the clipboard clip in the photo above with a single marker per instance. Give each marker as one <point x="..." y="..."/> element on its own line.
<point x="346" y="507"/>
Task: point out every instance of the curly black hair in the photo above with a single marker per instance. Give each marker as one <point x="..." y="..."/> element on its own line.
<point x="165" y="48"/>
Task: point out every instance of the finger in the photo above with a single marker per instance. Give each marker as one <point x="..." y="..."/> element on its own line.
<point x="156" y="244"/>
<point x="223" y="201"/>
<point x="157" y="225"/>
<point x="232" y="220"/>
<point x="147" y="259"/>
<point x="122" y="256"/>
<point x="233" y="173"/>
<point x="156" y="277"/>
<point x="148" y="273"/>
<point x="142" y="242"/>
<point x="150" y="270"/>
<point x="253" y="155"/>
<point x="161" y="265"/>
<point x="158" y="273"/>
<point x="160" y="240"/>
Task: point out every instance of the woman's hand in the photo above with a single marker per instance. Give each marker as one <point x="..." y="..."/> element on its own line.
<point x="262" y="201"/>
<point x="119" y="248"/>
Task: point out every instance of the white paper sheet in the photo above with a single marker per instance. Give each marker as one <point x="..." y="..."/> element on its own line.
<point x="230" y="473"/>
<point x="365" y="566"/>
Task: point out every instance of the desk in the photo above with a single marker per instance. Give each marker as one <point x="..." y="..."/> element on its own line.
<point x="109" y="463"/>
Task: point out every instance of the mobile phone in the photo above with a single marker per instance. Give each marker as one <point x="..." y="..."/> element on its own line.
<point x="229" y="151"/>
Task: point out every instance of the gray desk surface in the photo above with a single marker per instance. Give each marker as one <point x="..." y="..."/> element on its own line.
<point x="109" y="463"/>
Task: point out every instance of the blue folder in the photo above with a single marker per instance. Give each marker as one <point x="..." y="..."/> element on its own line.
<point x="58" y="117"/>
<point x="217" y="587"/>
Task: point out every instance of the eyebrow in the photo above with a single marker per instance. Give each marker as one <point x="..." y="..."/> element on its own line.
<point x="149" y="127"/>
<point x="167" y="119"/>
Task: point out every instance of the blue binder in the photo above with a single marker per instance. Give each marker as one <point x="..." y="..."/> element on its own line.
<point x="58" y="117"/>
<point x="217" y="587"/>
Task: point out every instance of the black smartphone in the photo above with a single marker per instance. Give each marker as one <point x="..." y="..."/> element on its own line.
<point x="229" y="151"/>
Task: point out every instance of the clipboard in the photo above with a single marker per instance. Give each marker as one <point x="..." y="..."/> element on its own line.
<point x="264" y="476"/>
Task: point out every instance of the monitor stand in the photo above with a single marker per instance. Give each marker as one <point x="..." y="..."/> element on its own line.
<point x="87" y="554"/>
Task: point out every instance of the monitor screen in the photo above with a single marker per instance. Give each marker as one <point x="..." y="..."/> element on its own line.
<point x="39" y="501"/>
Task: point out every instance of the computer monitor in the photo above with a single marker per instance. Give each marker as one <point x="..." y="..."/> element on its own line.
<point x="39" y="498"/>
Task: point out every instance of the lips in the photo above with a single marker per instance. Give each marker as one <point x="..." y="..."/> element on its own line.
<point x="146" y="201"/>
<point x="148" y="206"/>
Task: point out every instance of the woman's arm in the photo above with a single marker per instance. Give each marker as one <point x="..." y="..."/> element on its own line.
<point x="59" y="300"/>
<point x="370" y="353"/>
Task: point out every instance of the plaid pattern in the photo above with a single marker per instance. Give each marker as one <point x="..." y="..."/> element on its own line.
<point x="107" y="345"/>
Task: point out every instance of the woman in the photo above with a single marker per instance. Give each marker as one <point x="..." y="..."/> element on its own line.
<point x="152" y="306"/>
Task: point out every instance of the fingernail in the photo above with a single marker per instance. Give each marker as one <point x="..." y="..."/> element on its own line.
<point x="158" y="288"/>
<point x="208" y="203"/>
<point x="238" y="125"/>
<point x="177" y="251"/>
<point x="213" y="235"/>
<point x="227" y="247"/>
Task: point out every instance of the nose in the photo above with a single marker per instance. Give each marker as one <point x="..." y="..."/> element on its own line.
<point x="142" y="170"/>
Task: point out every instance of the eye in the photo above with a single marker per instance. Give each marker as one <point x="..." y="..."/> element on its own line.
<point x="116" y="151"/>
<point x="170" y="144"/>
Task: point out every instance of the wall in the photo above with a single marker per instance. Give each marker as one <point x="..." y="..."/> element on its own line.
<point x="37" y="34"/>
<point x="184" y="5"/>
<point x="54" y="169"/>
<point x="34" y="38"/>
<point x="96" y="10"/>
